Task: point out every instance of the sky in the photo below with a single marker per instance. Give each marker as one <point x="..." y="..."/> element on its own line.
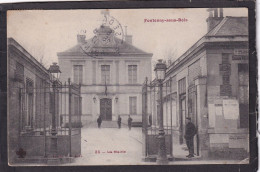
<point x="43" y="33"/>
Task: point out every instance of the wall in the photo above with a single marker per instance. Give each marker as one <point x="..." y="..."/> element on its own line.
<point x="37" y="146"/>
<point x="32" y="70"/>
<point x="118" y="86"/>
<point x="222" y="117"/>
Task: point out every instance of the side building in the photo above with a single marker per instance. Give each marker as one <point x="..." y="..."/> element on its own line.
<point x="28" y="102"/>
<point x="210" y="84"/>
<point x="34" y="111"/>
<point x="111" y="72"/>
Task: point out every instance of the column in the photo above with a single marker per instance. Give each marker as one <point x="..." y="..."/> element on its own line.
<point x="117" y="72"/>
<point x="202" y="116"/>
<point x="94" y="72"/>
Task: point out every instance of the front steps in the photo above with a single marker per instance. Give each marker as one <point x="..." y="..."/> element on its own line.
<point x="106" y="124"/>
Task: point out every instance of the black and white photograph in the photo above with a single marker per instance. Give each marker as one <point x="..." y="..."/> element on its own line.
<point x="151" y="86"/>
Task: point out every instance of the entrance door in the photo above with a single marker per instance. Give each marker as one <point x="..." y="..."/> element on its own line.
<point x="106" y="109"/>
<point x="182" y="117"/>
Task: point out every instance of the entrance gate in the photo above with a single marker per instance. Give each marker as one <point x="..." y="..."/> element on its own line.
<point x="48" y="111"/>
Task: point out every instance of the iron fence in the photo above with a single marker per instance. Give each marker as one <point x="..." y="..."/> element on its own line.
<point x="150" y="118"/>
<point x="44" y="108"/>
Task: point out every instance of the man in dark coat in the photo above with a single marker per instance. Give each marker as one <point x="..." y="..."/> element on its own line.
<point x="190" y="131"/>
<point x="99" y="121"/>
<point x="150" y="120"/>
<point x="129" y="122"/>
<point x="119" y="121"/>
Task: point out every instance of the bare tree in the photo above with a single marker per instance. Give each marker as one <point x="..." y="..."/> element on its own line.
<point x="169" y="55"/>
<point x="38" y="54"/>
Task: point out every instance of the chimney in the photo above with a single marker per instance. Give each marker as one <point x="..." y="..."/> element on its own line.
<point x="128" y="38"/>
<point x="81" y="38"/>
<point x="213" y="21"/>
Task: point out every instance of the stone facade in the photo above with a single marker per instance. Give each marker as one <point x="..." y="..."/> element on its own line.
<point x="210" y="81"/>
<point x="118" y="88"/>
<point x="24" y="115"/>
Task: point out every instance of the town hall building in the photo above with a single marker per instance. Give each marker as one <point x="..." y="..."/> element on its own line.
<point x="111" y="71"/>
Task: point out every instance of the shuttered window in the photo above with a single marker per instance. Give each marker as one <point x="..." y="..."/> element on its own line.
<point x="182" y="86"/>
<point x="78" y="72"/>
<point x="194" y="71"/>
<point x="105" y="74"/>
<point x="132" y="74"/>
<point x="132" y="105"/>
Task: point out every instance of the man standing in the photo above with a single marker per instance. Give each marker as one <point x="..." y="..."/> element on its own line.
<point x="190" y="131"/>
<point x="119" y="121"/>
<point x="99" y="121"/>
<point x="150" y="120"/>
<point x="129" y="122"/>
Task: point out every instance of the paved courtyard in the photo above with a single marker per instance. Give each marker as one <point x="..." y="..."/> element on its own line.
<point x="113" y="146"/>
<point x="110" y="146"/>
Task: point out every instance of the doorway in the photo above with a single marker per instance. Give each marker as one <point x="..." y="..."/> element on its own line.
<point x="106" y="109"/>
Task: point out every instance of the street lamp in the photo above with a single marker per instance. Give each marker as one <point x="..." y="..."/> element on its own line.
<point x="160" y="70"/>
<point x="55" y="74"/>
<point x="94" y="99"/>
<point x="116" y="99"/>
<point x="54" y="70"/>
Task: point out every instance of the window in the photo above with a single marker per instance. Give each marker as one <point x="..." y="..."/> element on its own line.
<point x="132" y="74"/>
<point x="182" y="86"/>
<point x="132" y="105"/>
<point x="29" y="102"/>
<point x="19" y="72"/>
<point x="105" y="74"/>
<point x="77" y="71"/>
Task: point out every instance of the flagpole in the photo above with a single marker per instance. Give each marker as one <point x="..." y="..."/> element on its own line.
<point x="105" y="85"/>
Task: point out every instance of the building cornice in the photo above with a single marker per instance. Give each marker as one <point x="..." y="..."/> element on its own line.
<point x="64" y="54"/>
<point x="207" y="42"/>
<point x="12" y="44"/>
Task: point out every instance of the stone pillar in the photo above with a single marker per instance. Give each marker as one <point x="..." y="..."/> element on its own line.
<point x="202" y="116"/>
<point x="117" y="72"/>
<point x="94" y="72"/>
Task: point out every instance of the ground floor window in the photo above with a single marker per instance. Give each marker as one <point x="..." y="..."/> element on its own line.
<point x="29" y="103"/>
<point x="132" y="105"/>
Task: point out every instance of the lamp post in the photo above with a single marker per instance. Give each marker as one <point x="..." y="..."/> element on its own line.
<point x="94" y="99"/>
<point x="54" y="70"/>
<point x="160" y="69"/>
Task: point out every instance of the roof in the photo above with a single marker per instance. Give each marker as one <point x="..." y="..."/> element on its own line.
<point x="230" y="26"/>
<point x="229" y="29"/>
<point x="12" y="42"/>
<point x="115" y="45"/>
<point x="123" y="47"/>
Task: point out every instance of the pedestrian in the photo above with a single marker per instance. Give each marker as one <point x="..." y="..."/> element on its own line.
<point x="61" y="120"/>
<point x="99" y="121"/>
<point x="190" y="132"/>
<point x="150" y="120"/>
<point x="129" y="122"/>
<point x="119" y="121"/>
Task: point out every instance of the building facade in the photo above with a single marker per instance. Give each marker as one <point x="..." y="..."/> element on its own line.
<point x="28" y="84"/>
<point x="111" y="72"/>
<point x="34" y="111"/>
<point x="210" y="84"/>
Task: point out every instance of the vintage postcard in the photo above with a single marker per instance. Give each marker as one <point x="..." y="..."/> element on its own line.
<point x="164" y="86"/>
